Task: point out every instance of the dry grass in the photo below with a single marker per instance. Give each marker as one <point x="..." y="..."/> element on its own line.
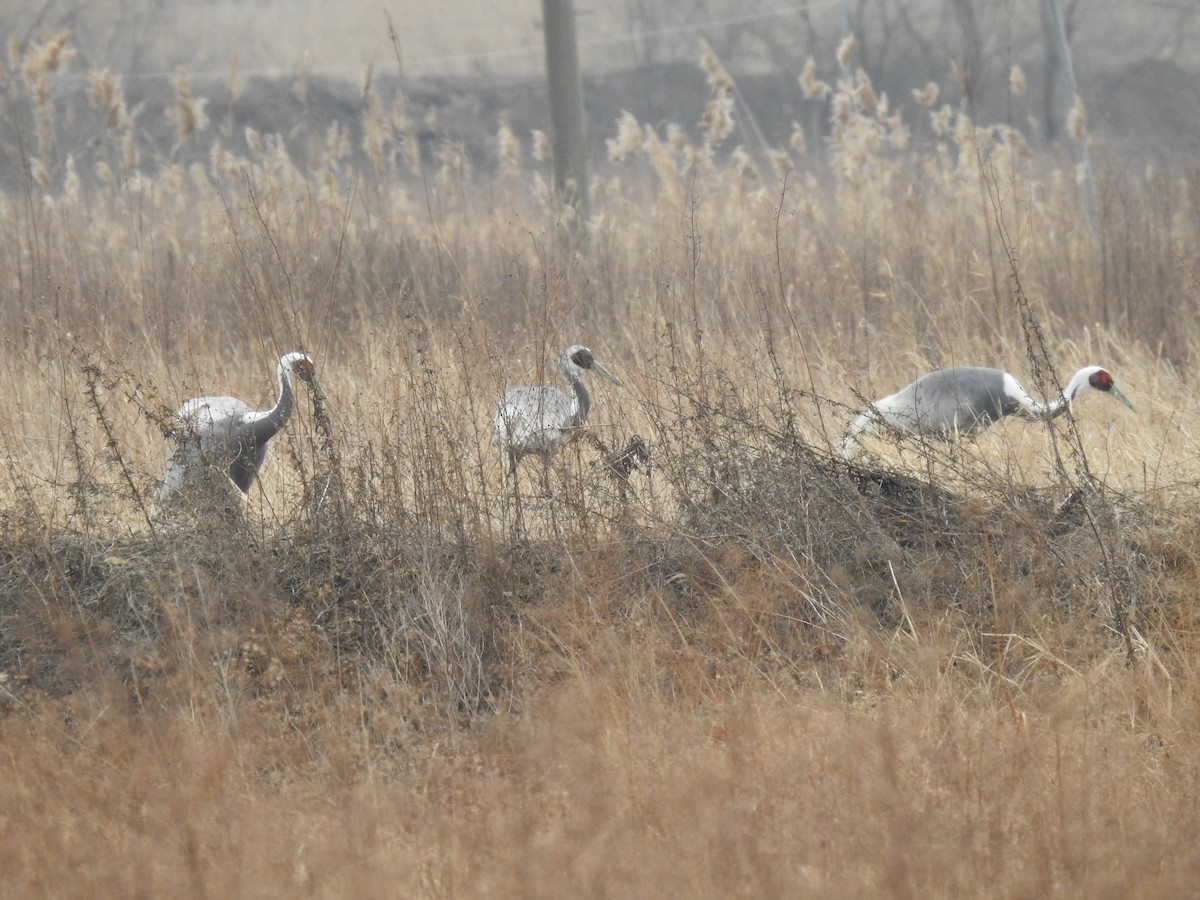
<point x="747" y="670"/>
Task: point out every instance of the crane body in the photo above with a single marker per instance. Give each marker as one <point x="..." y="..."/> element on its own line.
<point x="228" y="434"/>
<point x="962" y="401"/>
<point x="537" y="420"/>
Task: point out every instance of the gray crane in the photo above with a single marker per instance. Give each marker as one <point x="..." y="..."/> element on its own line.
<point x="227" y="434"/>
<point x="538" y="420"/>
<point x="964" y="400"/>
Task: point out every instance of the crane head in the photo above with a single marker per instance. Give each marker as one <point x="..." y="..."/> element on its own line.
<point x="301" y="365"/>
<point x="583" y="358"/>
<point x="1098" y="379"/>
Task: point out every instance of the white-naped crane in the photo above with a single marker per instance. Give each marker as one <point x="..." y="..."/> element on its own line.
<point x="539" y="419"/>
<point x="227" y="434"/>
<point x="964" y="400"/>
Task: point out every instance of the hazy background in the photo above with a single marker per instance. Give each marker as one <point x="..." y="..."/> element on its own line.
<point x="466" y="66"/>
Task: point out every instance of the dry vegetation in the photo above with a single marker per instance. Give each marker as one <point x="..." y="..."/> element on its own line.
<point x="746" y="670"/>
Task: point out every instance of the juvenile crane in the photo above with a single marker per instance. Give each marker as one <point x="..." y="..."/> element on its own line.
<point x="227" y="434"/>
<point x="964" y="401"/>
<point x="538" y="420"/>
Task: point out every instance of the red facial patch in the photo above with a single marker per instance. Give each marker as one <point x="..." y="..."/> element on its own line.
<point x="304" y="369"/>
<point x="1101" y="380"/>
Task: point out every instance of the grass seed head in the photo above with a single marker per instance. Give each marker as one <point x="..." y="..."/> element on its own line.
<point x="104" y="90"/>
<point x="926" y="96"/>
<point x="402" y="128"/>
<point x="130" y="151"/>
<point x="368" y="78"/>
<point x="1016" y="80"/>
<point x="233" y="79"/>
<point x="965" y="134"/>
<point x="719" y="78"/>
<point x="337" y="143"/>
<point x="811" y="86"/>
<point x="781" y="161"/>
<point x="300" y="85"/>
<point x="864" y="92"/>
<point x="41" y="59"/>
<point x="743" y="163"/>
<point x="797" y="141"/>
<point x="717" y="121"/>
<point x="254" y="141"/>
<point x="541" y="145"/>
<point x="677" y="139"/>
<point x="844" y="51"/>
<point x="940" y="120"/>
<point x="375" y="133"/>
<point x="1017" y="144"/>
<point x="628" y="142"/>
<point x="187" y="112"/>
<point x="509" y="150"/>
<point x="843" y="108"/>
<point x="1077" y="120"/>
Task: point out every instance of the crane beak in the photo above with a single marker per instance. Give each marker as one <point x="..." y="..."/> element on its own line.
<point x="319" y="392"/>
<point x="1116" y="392"/>
<point x="598" y="367"/>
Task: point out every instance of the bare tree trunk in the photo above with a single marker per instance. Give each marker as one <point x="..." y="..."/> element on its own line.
<point x="1062" y="46"/>
<point x="969" y="67"/>
<point x="1053" y="62"/>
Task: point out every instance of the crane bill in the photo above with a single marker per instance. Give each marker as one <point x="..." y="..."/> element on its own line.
<point x="599" y="367"/>
<point x="1116" y="392"/>
<point x="319" y="392"/>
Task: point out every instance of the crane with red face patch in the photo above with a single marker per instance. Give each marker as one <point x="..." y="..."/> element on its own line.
<point x="962" y="401"/>
<point x="228" y="434"/>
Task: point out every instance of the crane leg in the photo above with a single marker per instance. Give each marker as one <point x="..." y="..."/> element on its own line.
<point x="514" y="479"/>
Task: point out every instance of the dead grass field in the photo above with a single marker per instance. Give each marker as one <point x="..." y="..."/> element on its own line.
<point x="751" y="671"/>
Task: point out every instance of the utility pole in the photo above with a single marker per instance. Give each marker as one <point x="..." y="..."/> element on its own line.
<point x="566" y="108"/>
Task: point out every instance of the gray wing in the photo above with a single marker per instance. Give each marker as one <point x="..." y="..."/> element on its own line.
<point x="963" y="399"/>
<point x="532" y="419"/>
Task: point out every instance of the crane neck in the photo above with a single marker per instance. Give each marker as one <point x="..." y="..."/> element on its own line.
<point x="282" y="410"/>
<point x="583" y="400"/>
<point x="1052" y="409"/>
<point x="270" y="422"/>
